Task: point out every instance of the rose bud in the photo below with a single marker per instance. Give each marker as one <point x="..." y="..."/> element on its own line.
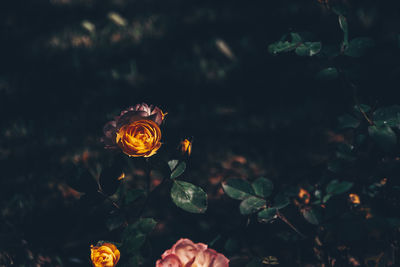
<point x="185" y="147"/>
<point x="186" y="253"/>
<point x="105" y="255"/>
<point x="136" y="131"/>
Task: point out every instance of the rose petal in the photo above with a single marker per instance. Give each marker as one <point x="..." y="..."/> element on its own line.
<point x="185" y="249"/>
<point x="220" y="261"/>
<point x="169" y="261"/>
<point x="205" y="258"/>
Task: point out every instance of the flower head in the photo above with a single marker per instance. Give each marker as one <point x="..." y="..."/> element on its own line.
<point x="105" y="255"/>
<point x="185" y="147"/>
<point x="136" y="131"/>
<point x="185" y="253"/>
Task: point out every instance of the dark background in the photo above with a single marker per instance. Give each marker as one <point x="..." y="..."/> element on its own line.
<point x="251" y="115"/>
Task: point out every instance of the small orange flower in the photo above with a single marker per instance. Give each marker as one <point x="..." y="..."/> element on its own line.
<point x="186" y="147"/>
<point x="139" y="138"/>
<point x="354" y="198"/>
<point x="304" y="195"/>
<point x="106" y="255"/>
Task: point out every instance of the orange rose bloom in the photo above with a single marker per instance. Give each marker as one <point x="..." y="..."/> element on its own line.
<point x="186" y="147"/>
<point x="107" y="255"/>
<point x="139" y="138"/>
<point x="136" y="131"/>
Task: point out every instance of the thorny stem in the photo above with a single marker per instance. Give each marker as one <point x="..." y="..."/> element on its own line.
<point x="283" y="218"/>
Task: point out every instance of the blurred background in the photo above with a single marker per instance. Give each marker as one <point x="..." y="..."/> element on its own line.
<point x="69" y="66"/>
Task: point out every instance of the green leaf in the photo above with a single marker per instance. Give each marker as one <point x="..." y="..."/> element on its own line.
<point x="145" y="225"/>
<point x="384" y="137"/>
<point x="335" y="165"/>
<point x="263" y="187"/>
<point x="267" y="215"/>
<point x="348" y="121"/>
<point x="172" y="164"/>
<point x="296" y="38"/>
<point x="115" y="221"/>
<point x="281" y="46"/>
<point x="238" y="188"/>
<point x="358" y="46"/>
<point x="132" y="195"/>
<point x="251" y="205"/>
<point x="135" y="234"/>
<point x="281" y="201"/>
<point x="159" y="164"/>
<point x="335" y="187"/>
<point x="387" y="116"/>
<point x="326" y="198"/>
<point x="311" y="215"/>
<point x="308" y="49"/>
<point x="345" y="152"/>
<point x="189" y="197"/>
<point x="329" y="73"/>
<point x="178" y="170"/>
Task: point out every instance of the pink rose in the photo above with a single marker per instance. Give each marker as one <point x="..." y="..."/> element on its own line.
<point x="185" y="253"/>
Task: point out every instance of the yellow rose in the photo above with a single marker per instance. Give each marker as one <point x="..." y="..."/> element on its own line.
<point x="136" y="131"/>
<point x="139" y="138"/>
<point x="107" y="255"/>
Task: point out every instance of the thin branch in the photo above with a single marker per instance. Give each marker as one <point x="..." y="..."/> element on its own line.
<point x="283" y="218"/>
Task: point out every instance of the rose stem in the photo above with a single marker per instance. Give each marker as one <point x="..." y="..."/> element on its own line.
<point x="283" y="218"/>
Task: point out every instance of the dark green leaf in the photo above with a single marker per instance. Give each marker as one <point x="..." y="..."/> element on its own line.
<point x="335" y="165"/>
<point x="189" y="197"/>
<point x="132" y="195"/>
<point x="330" y="73"/>
<point x="358" y="46"/>
<point x="387" y="116"/>
<point x="238" y="188"/>
<point x="267" y="215"/>
<point x="384" y="137"/>
<point x="251" y="205"/>
<point x="115" y="221"/>
<point x="231" y="245"/>
<point x="296" y="38"/>
<point x="311" y="215"/>
<point x="348" y="121"/>
<point x="345" y="152"/>
<point x="110" y="178"/>
<point x="326" y="198"/>
<point x="159" y="164"/>
<point x="81" y="179"/>
<point x="281" y="46"/>
<point x="335" y="187"/>
<point x="281" y="201"/>
<point x="178" y="170"/>
<point x="145" y="225"/>
<point x="308" y="49"/>
<point x="263" y="187"/>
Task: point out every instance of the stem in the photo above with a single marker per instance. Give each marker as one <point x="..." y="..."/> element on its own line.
<point x="148" y="183"/>
<point x="108" y="198"/>
<point x="283" y="218"/>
